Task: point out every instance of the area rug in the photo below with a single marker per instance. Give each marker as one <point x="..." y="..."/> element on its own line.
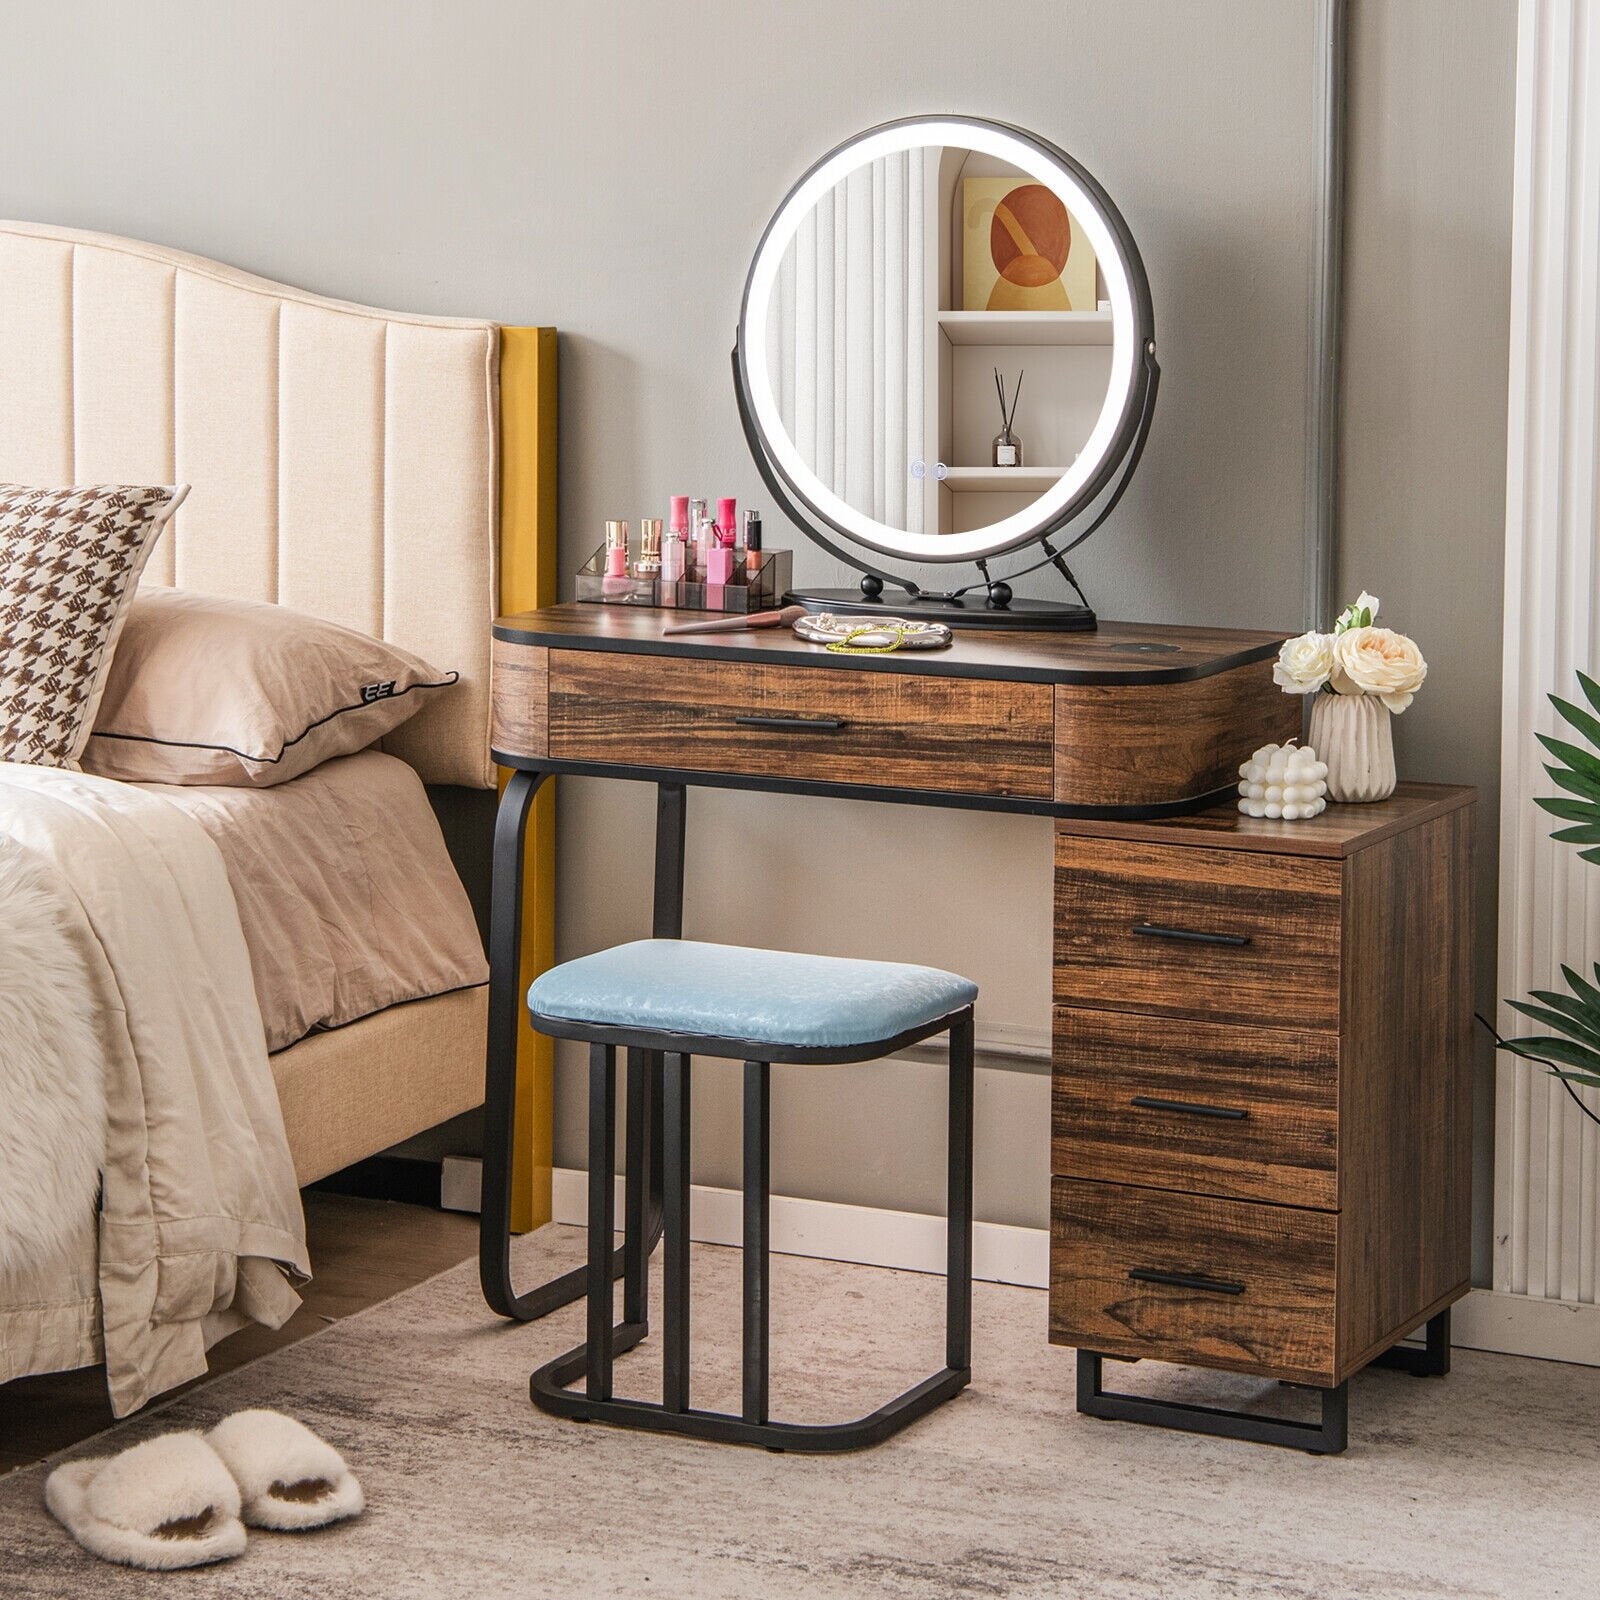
<point x="1479" y="1484"/>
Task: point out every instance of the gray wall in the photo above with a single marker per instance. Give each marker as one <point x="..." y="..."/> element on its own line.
<point x="607" y="168"/>
<point x="1426" y="345"/>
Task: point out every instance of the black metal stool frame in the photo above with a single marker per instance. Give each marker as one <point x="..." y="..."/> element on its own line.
<point x="592" y="1360"/>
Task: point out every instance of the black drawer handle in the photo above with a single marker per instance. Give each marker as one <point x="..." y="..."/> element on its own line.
<point x="1155" y="930"/>
<point x="1185" y="1280"/>
<point x="1190" y="1108"/>
<point x="794" y="724"/>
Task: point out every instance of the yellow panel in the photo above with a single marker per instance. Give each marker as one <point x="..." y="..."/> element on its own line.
<point x="527" y="581"/>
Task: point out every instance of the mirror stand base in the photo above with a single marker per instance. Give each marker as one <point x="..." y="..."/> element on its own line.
<point x="973" y="611"/>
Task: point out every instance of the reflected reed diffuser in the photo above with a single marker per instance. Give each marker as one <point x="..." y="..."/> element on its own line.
<point x="1007" y="446"/>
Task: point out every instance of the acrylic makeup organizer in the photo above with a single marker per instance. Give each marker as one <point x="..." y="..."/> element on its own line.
<point x="750" y="589"/>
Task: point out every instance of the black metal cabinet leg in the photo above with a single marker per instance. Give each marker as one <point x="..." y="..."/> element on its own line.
<point x="675" y="1262"/>
<point x="1430" y="1360"/>
<point x="958" y="1210"/>
<point x="757" y="1228"/>
<point x="602" y="1215"/>
<point x="1326" y="1437"/>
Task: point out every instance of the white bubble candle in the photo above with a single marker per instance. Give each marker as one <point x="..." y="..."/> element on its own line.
<point x="1283" y="781"/>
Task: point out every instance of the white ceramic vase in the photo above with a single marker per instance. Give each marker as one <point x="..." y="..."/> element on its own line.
<point x="1351" y="733"/>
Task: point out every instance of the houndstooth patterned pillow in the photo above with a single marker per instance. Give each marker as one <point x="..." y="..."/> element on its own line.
<point x="70" y="561"/>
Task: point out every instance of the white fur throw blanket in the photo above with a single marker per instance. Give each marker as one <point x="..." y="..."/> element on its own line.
<point x="133" y="1066"/>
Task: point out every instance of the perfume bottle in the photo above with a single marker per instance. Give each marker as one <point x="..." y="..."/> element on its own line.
<point x="649" y="563"/>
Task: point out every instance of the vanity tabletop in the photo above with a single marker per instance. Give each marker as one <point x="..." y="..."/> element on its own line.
<point x="1115" y="653"/>
<point x="1341" y="830"/>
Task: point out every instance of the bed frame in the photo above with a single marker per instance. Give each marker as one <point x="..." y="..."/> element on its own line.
<point x="393" y="473"/>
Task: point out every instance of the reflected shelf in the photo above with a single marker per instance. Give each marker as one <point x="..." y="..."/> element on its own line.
<point x="1026" y="327"/>
<point x="1001" y="480"/>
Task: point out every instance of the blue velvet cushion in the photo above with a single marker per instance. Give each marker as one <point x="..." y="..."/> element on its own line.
<point x="729" y="992"/>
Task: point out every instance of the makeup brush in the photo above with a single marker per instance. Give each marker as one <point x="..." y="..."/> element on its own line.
<point x="734" y="622"/>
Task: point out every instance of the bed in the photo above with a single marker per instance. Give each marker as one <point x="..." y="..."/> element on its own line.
<point x="390" y="473"/>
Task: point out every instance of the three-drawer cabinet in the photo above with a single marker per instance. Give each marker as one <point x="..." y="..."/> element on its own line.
<point x="1261" y="1121"/>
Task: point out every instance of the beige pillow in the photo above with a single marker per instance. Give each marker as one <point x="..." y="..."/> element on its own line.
<point x="245" y="694"/>
<point x="70" y="561"/>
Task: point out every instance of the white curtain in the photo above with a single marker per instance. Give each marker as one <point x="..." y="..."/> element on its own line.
<point x="849" y="341"/>
<point x="1547" y="1156"/>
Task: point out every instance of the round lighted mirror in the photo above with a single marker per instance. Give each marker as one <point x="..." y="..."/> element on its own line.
<point x="946" y="345"/>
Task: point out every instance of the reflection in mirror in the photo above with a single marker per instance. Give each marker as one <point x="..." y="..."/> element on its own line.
<point x="914" y="291"/>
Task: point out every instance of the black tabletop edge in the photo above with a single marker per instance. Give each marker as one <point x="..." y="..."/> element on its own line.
<point x="947" y="799"/>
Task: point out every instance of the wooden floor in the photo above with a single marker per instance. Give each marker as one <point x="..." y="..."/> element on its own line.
<point x="362" y="1251"/>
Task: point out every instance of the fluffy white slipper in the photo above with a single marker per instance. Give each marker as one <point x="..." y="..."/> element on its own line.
<point x="288" y="1477"/>
<point x="169" y="1502"/>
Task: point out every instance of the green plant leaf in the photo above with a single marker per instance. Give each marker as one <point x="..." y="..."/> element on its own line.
<point x="1585" y="1031"/>
<point x="1588" y="834"/>
<point x="1571" y="755"/>
<point x="1539" y="1047"/>
<point x="1590" y="855"/>
<point x="1575" y="782"/>
<point x="1591" y="689"/>
<point x="1586" y="992"/>
<point x="1573" y="810"/>
<point x="1588" y="1078"/>
<point x="1581" y="720"/>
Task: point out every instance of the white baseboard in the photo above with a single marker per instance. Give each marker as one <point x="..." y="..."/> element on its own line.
<point x="1512" y="1324"/>
<point x="1522" y="1325"/>
<point x="908" y="1240"/>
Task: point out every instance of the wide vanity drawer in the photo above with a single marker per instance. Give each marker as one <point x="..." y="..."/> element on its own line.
<point x="1185" y="931"/>
<point x="1187" y="1278"/>
<point x="1246" y="1113"/>
<point x="877" y="729"/>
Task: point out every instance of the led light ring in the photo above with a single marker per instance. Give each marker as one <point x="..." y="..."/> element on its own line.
<point x="1131" y="324"/>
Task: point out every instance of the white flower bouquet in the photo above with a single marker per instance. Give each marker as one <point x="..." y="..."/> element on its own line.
<point x="1355" y="658"/>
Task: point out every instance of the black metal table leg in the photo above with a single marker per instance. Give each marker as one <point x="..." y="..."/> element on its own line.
<point x="1326" y="1437"/>
<point x="500" y="1074"/>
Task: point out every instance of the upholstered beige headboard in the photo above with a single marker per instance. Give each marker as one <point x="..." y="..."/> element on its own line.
<point x="344" y="461"/>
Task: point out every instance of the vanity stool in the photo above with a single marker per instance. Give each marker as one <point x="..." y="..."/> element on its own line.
<point x="683" y="998"/>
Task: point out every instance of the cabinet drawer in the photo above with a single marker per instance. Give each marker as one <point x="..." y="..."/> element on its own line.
<point x="1183" y="931"/>
<point x="1186" y="1278"/>
<point x="878" y="729"/>
<point x="1247" y="1113"/>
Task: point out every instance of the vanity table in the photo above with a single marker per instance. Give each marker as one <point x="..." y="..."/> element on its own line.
<point x="1261" y="1102"/>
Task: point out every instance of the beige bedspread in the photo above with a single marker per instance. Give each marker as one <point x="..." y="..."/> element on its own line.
<point x="345" y="891"/>
<point x="199" y="1213"/>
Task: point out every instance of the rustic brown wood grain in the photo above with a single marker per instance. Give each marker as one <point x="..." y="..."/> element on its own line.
<point x="1285" y="1149"/>
<point x="1405" y="1109"/>
<point x="1282" y="1326"/>
<point x="1288" y="908"/>
<point x="1148" y="744"/>
<point x="951" y="735"/>
<point x="518" y="698"/>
